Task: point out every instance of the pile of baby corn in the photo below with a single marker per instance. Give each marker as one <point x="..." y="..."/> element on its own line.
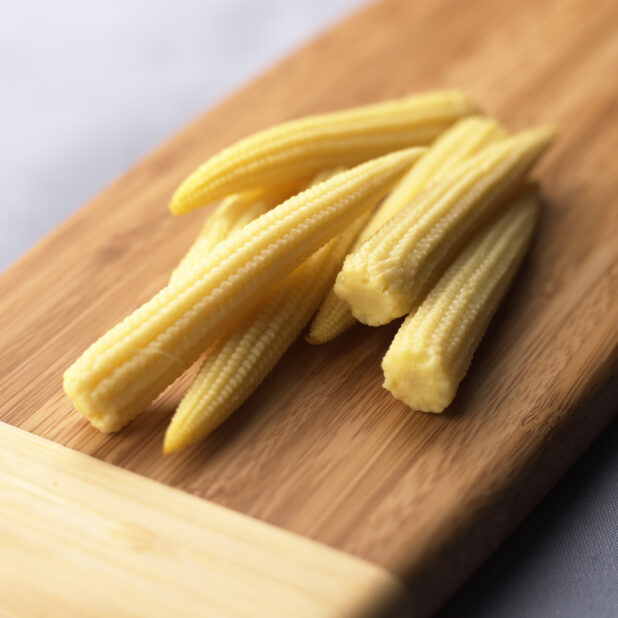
<point x="416" y="207"/>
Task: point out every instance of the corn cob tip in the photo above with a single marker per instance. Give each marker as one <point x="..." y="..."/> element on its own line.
<point x="184" y="428"/>
<point x="316" y="337"/>
<point x="177" y="206"/>
<point x="175" y="440"/>
<point x="333" y="318"/>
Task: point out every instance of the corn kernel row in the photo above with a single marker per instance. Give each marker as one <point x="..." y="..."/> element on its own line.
<point x="232" y="214"/>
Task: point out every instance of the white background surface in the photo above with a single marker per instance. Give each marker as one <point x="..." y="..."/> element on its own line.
<point x="87" y="88"/>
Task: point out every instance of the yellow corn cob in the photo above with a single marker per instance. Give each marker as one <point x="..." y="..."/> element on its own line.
<point x="462" y="140"/>
<point x="237" y="363"/>
<point x="130" y="365"/>
<point x="298" y="149"/>
<point x="232" y="214"/>
<point x="383" y="278"/>
<point x="432" y="351"/>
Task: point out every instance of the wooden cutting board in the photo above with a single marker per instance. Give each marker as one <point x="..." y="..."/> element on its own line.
<point x="321" y="449"/>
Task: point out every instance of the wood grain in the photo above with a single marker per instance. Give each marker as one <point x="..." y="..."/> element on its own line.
<point x="81" y="537"/>
<point x="321" y="449"/>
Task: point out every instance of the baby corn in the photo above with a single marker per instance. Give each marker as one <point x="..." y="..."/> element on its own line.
<point x="122" y="372"/>
<point x="298" y="149"/>
<point x="232" y="214"/>
<point x="237" y="364"/>
<point x="384" y="277"/>
<point x="431" y="353"/>
<point x="462" y="140"/>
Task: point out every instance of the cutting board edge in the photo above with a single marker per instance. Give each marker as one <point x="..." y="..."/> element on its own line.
<point x="441" y="575"/>
<point x="147" y="531"/>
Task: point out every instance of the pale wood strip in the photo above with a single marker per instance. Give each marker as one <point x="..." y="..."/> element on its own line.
<point x="81" y="537"/>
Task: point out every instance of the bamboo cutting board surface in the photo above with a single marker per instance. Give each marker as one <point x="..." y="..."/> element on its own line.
<point x="321" y="449"/>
